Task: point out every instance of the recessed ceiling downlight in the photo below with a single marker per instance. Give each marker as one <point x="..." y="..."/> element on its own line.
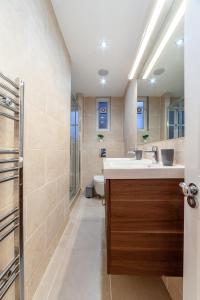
<point x="103" y="81"/>
<point x="152" y="81"/>
<point x="103" y="72"/>
<point x="103" y="44"/>
<point x="159" y="71"/>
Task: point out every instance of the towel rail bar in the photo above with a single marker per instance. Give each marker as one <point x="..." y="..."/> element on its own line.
<point x="4" y="235"/>
<point x="9" y="151"/>
<point x="9" y="160"/>
<point x="13" y="211"/>
<point x="8" y="98"/>
<point x="8" y="267"/>
<point x="7" y="106"/>
<point x="8" y="285"/>
<point x="3" y="227"/>
<point x="9" y="116"/>
<point x="11" y="223"/>
<point x="7" y="276"/>
<point x="5" y="87"/>
<point x="9" y="81"/>
<point x="7" y="170"/>
<point x="9" y="178"/>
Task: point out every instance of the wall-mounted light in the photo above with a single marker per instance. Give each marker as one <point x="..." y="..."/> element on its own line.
<point x="146" y="36"/>
<point x="168" y="34"/>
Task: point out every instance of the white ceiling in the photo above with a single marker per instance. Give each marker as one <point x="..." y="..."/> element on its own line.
<point x="172" y="60"/>
<point x="84" y="23"/>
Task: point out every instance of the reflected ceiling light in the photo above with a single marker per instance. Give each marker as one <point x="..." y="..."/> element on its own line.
<point x="146" y="36"/>
<point x="103" y="81"/>
<point x="152" y="80"/>
<point x="179" y="42"/>
<point x="168" y="34"/>
<point x="103" y="44"/>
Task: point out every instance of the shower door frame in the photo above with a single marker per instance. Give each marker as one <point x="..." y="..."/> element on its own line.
<point x="74" y="168"/>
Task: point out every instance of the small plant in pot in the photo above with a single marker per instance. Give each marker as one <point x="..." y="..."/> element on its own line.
<point x="100" y="137"/>
<point x="145" y="137"/>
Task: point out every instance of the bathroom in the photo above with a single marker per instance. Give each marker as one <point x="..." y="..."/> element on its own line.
<point x="90" y="93"/>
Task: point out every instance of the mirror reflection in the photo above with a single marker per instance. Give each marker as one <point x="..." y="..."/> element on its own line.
<point x="160" y="106"/>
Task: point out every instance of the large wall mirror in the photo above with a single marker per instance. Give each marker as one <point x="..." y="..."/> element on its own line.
<point x="160" y="106"/>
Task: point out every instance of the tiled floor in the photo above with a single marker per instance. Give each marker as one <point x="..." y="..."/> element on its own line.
<point x="77" y="270"/>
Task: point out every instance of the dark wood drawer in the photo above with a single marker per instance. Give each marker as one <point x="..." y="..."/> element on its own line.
<point x="144" y="222"/>
<point x="145" y="189"/>
<point x="146" y="215"/>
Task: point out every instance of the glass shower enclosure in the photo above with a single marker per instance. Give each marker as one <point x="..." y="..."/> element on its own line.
<point x="74" y="148"/>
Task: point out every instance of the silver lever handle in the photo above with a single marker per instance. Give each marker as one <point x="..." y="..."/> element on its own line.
<point x="185" y="188"/>
<point x="190" y="191"/>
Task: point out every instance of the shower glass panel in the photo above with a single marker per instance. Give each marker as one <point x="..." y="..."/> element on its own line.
<point x="74" y="148"/>
<point x="176" y="122"/>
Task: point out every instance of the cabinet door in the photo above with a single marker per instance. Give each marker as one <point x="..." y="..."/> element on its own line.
<point x="145" y="227"/>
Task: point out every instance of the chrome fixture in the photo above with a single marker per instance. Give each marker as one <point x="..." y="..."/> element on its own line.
<point x="155" y="152"/>
<point x="12" y="102"/>
<point x="190" y="191"/>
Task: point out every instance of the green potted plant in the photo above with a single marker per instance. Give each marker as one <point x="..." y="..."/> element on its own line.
<point x="145" y="137"/>
<point x="100" y="137"/>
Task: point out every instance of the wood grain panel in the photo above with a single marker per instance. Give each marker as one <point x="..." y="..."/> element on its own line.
<point x="153" y="189"/>
<point x="144" y="227"/>
<point x="146" y="215"/>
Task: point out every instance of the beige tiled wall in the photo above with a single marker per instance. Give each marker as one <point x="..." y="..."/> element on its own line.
<point x="113" y="142"/>
<point x="176" y="144"/>
<point x="33" y="49"/>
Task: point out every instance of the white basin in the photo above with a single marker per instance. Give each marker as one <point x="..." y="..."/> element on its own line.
<point x="127" y="162"/>
<point x="129" y="168"/>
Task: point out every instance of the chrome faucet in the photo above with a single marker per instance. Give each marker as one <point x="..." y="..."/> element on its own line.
<point x="155" y="152"/>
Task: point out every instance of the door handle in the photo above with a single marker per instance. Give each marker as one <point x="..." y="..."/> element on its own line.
<point x="190" y="191"/>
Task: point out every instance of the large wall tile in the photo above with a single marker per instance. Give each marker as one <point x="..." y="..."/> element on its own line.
<point x="92" y="164"/>
<point x="33" y="49"/>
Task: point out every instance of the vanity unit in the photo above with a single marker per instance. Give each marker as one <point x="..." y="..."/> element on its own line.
<point x="144" y="218"/>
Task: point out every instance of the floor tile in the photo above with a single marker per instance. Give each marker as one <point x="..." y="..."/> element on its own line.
<point x="77" y="270"/>
<point x="84" y="278"/>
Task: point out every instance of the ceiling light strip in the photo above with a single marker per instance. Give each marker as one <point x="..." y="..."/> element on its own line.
<point x="172" y="27"/>
<point x="146" y="36"/>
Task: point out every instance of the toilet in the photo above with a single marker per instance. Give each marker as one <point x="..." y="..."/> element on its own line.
<point x="99" y="185"/>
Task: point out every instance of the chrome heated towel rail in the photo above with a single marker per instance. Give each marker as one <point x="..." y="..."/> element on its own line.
<point x="11" y="169"/>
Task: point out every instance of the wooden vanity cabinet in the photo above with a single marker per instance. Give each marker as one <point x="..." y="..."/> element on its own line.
<point x="144" y="226"/>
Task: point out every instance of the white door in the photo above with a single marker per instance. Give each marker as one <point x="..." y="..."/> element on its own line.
<point x="192" y="148"/>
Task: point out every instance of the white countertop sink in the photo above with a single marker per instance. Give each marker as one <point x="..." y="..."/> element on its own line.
<point x="129" y="168"/>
